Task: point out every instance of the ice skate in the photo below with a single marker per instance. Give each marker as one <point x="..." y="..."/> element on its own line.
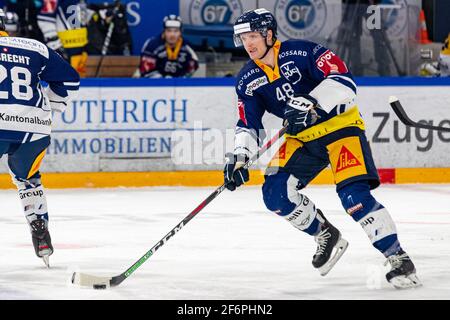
<point x="330" y="247"/>
<point x="41" y="240"/>
<point x="403" y="272"/>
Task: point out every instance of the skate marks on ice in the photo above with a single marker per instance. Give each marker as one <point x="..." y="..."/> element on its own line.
<point x="235" y="248"/>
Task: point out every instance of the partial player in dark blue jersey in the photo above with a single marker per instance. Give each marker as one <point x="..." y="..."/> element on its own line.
<point x="312" y="90"/>
<point x="168" y="55"/>
<point x="63" y="25"/>
<point x="34" y="81"/>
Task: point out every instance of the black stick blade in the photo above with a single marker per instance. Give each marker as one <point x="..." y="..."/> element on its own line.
<point x="401" y="114"/>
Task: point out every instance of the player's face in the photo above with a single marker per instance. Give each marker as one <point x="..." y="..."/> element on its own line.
<point x="172" y="35"/>
<point x="254" y="43"/>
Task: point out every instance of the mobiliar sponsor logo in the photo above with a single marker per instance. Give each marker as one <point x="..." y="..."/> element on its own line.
<point x="123" y="146"/>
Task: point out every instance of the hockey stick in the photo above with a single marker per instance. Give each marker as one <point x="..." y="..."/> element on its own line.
<point x="108" y="37"/>
<point x="401" y="114"/>
<point x="96" y="282"/>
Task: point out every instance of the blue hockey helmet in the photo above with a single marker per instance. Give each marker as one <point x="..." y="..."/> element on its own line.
<point x="259" y="20"/>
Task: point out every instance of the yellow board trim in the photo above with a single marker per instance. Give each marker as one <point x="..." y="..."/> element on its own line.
<point x="422" y="175"/>
<point x="200" y="178"/>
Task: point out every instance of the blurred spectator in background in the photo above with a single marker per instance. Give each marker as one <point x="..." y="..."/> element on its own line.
<point x="108" y="30"/>
<point x="11" y="21"/>
<point x="349" y="39"/>
<point x="63" y="24"/>
<point x="440" y="68"/>
<point x="167" y="55"/>
<point x="21" y="18"/>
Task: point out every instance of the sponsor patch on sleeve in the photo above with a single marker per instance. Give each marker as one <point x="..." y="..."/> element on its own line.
<point x="241" y="109"/>
<point x="330" y="63"/>
<point x="255" y="84"/>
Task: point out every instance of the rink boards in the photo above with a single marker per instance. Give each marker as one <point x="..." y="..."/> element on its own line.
<point x="139" y="132"/>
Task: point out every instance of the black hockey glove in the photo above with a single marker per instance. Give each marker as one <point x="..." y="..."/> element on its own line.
<point x="300" y="113"/>
<point x="234" y="173"/>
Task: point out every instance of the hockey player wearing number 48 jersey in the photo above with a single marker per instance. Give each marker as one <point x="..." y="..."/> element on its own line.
<point x="26" y="119"/>
<point x="312" y="90"/>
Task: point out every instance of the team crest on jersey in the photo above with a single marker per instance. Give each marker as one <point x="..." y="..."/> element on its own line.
<point x="49" y="6"/>
<point x="299" y="19"/>
<point x="291" y="72"/>
<point x="255" y="84"/>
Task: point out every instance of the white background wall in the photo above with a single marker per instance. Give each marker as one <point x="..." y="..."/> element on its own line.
<point x="132" y="128"/>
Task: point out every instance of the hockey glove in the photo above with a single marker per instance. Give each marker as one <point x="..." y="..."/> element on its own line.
<point x="300" y="113"/>
<point x="234" y="173"/>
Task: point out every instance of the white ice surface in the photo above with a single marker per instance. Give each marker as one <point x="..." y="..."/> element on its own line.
<point x="233" y="249"/>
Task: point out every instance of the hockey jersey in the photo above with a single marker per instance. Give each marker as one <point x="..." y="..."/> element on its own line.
<point x="25" y="104"/>
<point x="301" y="67"/>
<point x="65" y="21"/>
<point x="159" y="60"/>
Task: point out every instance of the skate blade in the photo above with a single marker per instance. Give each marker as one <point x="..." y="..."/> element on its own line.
<point x="46" y="260"/>
<point x="406" y="282"/>
<point x="340" y="247"/>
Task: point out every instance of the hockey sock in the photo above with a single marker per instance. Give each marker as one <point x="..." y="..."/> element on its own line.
<point x="371" y="215"/>
<point x="281" y="195"/>
<point x="32" y="197"/>
<point x="305" y="217"/>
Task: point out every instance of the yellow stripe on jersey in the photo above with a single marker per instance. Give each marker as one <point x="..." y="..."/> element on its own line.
<point x="272" y="74"/>
<point x="36" y="164"/>
<point x="350" y="118"/>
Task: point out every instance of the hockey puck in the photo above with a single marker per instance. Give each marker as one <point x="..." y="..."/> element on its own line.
<point x="99" y="286"/>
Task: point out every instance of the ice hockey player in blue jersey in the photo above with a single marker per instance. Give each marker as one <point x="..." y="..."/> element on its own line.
<point x="168" y="55"/>
<point x="26" y="107"/>
<point x="312" y="90"/>
<point x="63" y="25"/>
